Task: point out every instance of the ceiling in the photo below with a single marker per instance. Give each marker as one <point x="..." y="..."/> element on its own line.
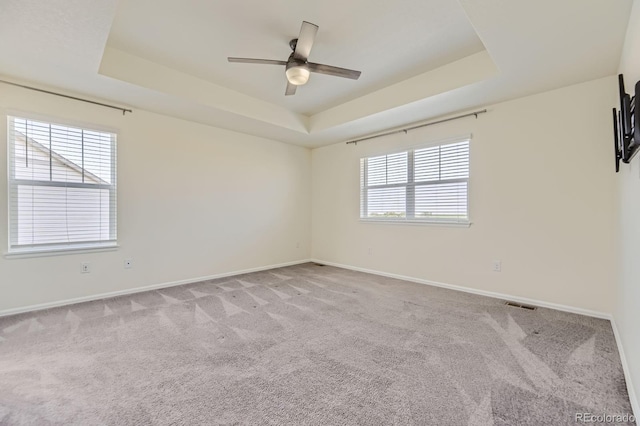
<point x="398" y="44"/>
<point x="420" y="59"/>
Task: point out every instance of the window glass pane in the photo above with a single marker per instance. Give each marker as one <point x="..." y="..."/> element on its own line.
<point x="386" y="202"/>
<point x="30" y="150"/>
<point x="49" y="214"/>
<point x="97" y="157"/>
<point x="377" y="170"/>
<point x="397" y="168"/>
<point x="441" y="201"/>
<point x="387" y="169"/>
<point x="455" y="161"/>
<point x="427" y="164"/>
<point x="66" y="149"/>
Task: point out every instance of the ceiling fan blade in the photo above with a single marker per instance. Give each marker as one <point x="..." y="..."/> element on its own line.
<point x="257" y="61"/>
<point x="291" y="89"/>
<point x="305" y="40"/>
<point x="336" y="71"/>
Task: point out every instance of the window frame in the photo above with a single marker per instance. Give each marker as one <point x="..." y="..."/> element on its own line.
<point x="410" y="185"/>
<point x="59" y="248"/>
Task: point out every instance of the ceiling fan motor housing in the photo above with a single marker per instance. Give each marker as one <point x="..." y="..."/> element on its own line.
<point x="297" y="71"/>
<point x="297" y="67"/>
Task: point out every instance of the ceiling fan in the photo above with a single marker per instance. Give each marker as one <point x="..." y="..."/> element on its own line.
<point x="298" y="68"/>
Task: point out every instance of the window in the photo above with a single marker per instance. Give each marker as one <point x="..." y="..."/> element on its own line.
<point x="420" y="185"/>
<point x="62" y="187"/>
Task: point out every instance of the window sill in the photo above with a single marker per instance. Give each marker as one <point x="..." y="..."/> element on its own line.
<point x="418" y="222"/>
<point x="22" y="254"/>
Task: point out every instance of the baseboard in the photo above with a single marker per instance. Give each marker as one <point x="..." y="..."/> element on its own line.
<point x="625" y="367"/>
<point x="502" y="296"/>
<point x="635" y="404"/>
<point x="630" y="389"/>
<point x="107" y="295"/>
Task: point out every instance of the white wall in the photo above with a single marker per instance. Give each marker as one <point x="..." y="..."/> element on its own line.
<point x="196" y="201"/>
<point x="627" y="309"/>
<point x="193" y="201"/>
<point x="542" y="200"/>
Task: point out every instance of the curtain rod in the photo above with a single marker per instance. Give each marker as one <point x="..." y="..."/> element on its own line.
<point x="124" y="110"/>
<point x="405" y="130"/>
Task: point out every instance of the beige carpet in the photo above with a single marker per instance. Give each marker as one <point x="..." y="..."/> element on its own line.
<point x="306" y="344"/>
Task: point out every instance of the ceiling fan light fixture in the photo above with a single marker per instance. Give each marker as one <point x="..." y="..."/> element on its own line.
<point x="297" y="67"/>
<point x="298" y="74"/>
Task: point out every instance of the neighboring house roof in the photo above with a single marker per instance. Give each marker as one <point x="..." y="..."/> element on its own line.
<point x="20" y="137"/>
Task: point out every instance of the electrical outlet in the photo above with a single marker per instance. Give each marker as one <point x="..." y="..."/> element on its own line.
<point x="128" y="263"/>
<point x="497" y="266"/>
<point x="298" y="245"/>
<point x="85" y="267"/>
<point x="370" y="251"/>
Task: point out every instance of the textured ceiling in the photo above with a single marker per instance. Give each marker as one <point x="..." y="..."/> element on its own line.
<point x="386" y="42"/>
<point x="419" y="59"/>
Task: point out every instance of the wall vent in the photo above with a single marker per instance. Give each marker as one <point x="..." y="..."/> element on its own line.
<point x="520" y="305"/>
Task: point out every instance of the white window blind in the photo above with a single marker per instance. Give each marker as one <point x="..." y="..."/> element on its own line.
<point x="62" y="187"/>
<point x="428" y="184"/>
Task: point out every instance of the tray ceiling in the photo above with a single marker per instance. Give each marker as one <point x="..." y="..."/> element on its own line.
<point x="419" y="59"/>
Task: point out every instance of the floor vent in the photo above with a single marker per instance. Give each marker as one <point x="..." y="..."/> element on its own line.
<point x="520" y="305"/>
<point x="318" y="264"/>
